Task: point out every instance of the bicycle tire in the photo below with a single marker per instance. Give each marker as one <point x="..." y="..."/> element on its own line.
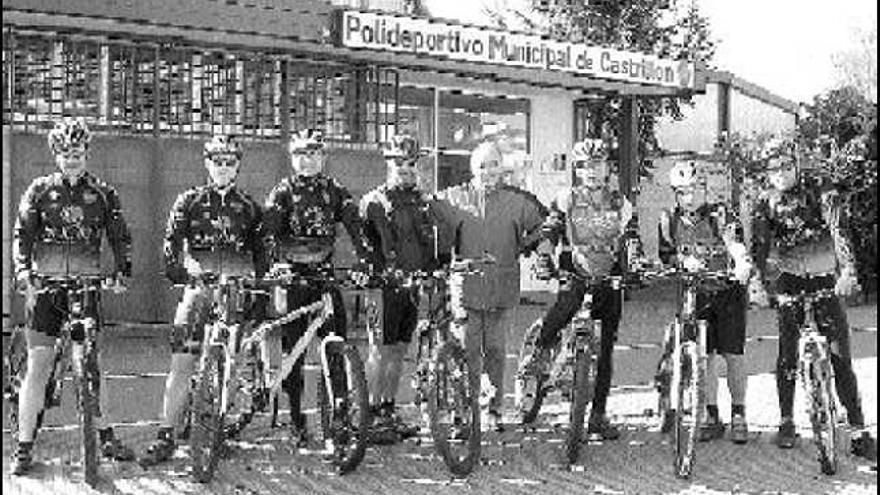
<point x="452" y="369"/>
<point x="581" y="395"/>
<point x="14" y="369"/>
<point x="529" y="389"/>
<point x="349" y="440"/>
<point x="88" y="379"/>
<point x="530" y="408"/>
<point x="206" y="416"/>
<point x="823" y="416"/>
<point x="686" y="424"/>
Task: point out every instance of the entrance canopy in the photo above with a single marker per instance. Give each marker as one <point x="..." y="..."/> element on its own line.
<point x="320" y="31"/>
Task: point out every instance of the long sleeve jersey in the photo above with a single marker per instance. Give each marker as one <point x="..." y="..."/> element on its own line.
<point x="405" y="228"/>
<point x="61" y="223"/>
<point x="595" y="229"/>
<point x="220" y="230"/>
<point x="301" y="214"/>
<point x="801" y="231"/>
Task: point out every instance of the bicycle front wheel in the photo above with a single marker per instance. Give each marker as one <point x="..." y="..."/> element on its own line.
<point x="453" y="406"/>
<point x="823" y="414"/>
<point x="346" y="421"/>
<point x="206" y="416"/>
<point x="687" y="410"/>
<point x="88" y="390"/>
<point x="582" y="394"/>
<point x="14" y="369"/>
<point x="529" y="389"/>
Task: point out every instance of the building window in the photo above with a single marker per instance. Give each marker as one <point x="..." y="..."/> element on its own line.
<point x="171" y="90"/>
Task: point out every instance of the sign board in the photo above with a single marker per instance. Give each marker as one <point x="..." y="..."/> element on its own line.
<point x="430" y="38"/>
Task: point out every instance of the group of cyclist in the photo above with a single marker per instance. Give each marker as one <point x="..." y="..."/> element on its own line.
<point x="798" y="244"/>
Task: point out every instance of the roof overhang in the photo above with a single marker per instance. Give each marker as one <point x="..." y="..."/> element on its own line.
<point x="302" y="29"/>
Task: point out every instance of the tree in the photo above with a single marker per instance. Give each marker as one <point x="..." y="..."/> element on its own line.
<point x="660" y="27"/>
<point x="839" y="136"/>
<point x="857" y="67"/>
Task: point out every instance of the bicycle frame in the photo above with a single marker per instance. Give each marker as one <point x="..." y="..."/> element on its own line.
<point x="816" y="375"/>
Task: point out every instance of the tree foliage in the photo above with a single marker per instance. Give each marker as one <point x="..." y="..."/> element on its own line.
<point x="661" y="27"/>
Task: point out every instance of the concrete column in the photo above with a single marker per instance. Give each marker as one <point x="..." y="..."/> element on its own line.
<point x="628" y="143"/>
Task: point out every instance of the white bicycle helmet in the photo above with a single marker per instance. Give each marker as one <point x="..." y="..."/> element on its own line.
<point x="306" y="140"/>
<point x="683" y="174"/>
<point x="69" y="135"/>
<point x="221" y="144"/>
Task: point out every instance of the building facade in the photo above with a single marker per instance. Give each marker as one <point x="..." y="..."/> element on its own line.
<point x="156" y="78"/>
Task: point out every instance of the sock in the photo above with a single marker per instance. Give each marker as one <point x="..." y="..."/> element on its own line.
<point x="738" y="410"/>
<point x="712" y="410"/>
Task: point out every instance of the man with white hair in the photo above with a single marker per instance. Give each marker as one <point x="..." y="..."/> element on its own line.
<point x="500" y="221"/>
<point x="698" y="235"/>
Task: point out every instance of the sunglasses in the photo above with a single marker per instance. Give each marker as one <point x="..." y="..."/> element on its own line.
<point x="311" y="153"/>
<point x="403" y="162"/>
<point x="73" y="154"/>
<point x="225" y="161"/>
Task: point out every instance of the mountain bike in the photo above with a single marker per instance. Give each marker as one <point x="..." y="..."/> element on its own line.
<point x="75" y="349"/>
<point x="573" y="370"/>
<point x="817" y="377"/>
<point x="682" y="369"/>
<point x="447" y="390"/>
<point x="236" y="362"/>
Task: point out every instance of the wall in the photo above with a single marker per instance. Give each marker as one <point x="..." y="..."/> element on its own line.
<point x="697" y="130"/>
<point x="149" y="174"/>
<point x="748" y="114"/>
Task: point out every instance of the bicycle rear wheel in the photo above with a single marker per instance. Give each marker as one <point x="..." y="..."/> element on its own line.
<point x="581" y="395"/>
<point x="88" y="379"/>
<point x="530" y="391"/>
<point x="823" y="414"/>
<point x="687" y="410"/>
<point x="346" y="422"/>
<point x="206" y="427"/>
<point x="454" y="409"/>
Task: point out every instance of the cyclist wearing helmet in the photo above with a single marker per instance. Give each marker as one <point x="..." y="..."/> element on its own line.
<point x="501" y="221"/>
<point x="799" y="244"/>
<point x="592" y="244"/>
<point x="217" y="229"/>
<point x="399" y="222"/>
<point x="301" y="214"/>
<point x="62" y="219"/>
<point x="702" y="236"/>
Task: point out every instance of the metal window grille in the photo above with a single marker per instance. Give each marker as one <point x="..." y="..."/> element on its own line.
<point x="144" y="87"/>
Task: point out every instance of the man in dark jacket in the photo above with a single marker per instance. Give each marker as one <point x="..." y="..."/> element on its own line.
<point x="401" y="225"/>
<point x="62" y="219"/>
<point x="301" y="214"/>
<point x="212" y="229"/>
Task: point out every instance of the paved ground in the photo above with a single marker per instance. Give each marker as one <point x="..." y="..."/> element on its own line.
<point x="516" y="461"/>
